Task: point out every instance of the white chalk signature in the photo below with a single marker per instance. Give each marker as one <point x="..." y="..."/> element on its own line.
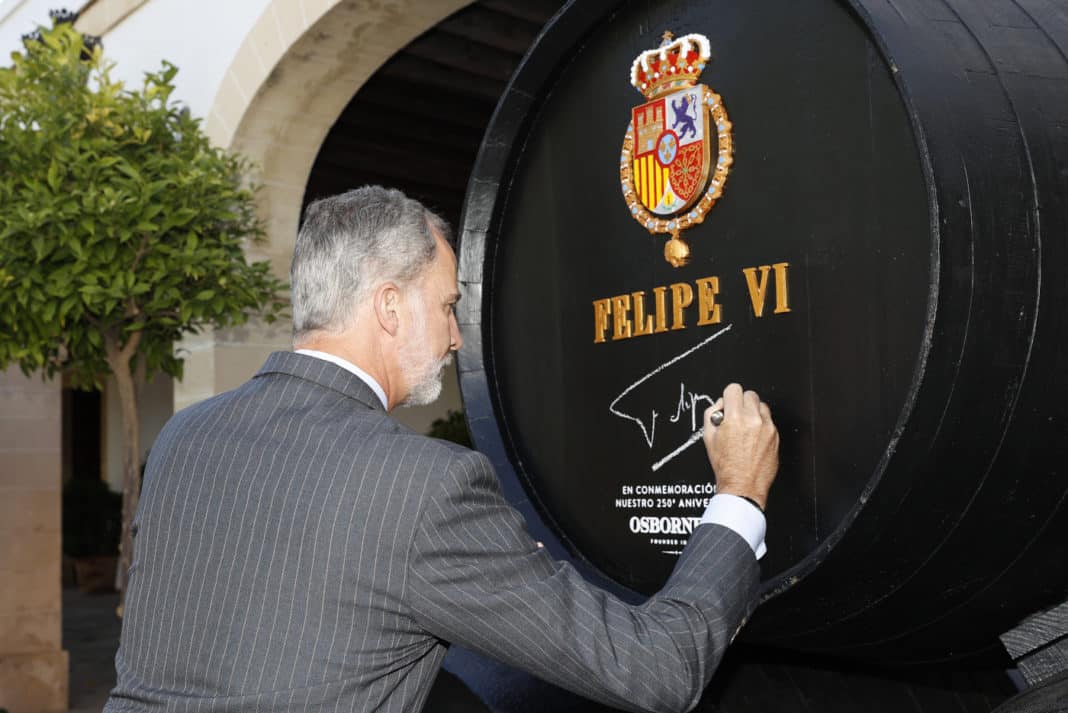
<point x="687" y="402"/>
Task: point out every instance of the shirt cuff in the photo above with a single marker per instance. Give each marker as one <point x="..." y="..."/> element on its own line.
<point x="741" y="516"/>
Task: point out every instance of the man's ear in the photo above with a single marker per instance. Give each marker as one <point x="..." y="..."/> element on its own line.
<point x="387" y="300"/>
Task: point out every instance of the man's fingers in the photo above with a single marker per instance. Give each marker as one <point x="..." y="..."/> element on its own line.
<point x="732" y="399"/>
<point x="751" y="402"/>
<point x="765" y="412"/>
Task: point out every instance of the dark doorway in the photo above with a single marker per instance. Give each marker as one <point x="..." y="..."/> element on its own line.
<point x="417" y="123"/>
<point x="81" y="435"/>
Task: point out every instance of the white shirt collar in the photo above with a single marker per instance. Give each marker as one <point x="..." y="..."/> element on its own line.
<point x="350" y="367"/>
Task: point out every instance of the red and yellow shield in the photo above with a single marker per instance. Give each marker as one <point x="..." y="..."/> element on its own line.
<point x="669" y="178"/>
<point x="671" y="151"/>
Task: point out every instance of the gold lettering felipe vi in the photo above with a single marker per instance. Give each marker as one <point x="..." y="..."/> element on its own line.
<point x="758" y="287"/>
<point x="629" y="318"/>
<point x="625" y="316"/>
<point x="708" y="312"/>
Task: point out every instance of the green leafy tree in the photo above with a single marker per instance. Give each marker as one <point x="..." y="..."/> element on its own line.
<point x="121" y="229"/>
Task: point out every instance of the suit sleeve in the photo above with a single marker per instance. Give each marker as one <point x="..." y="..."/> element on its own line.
<point x="477" y="578"/>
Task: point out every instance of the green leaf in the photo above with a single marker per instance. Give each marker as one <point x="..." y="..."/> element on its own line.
<point x="129" y="170"/>
<point x="183" y="216"/>
<point x="151" y="211"/>
<point x="54" y="179"/>
<point x="67" y="305"/>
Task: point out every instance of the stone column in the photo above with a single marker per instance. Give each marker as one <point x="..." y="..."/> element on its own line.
<point x="33" y="664"/>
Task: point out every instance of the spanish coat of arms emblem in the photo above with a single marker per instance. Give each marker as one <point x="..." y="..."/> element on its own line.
<point x="669" y="178"/>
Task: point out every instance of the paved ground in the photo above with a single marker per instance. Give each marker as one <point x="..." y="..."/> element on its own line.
<point x="91" y="637"/>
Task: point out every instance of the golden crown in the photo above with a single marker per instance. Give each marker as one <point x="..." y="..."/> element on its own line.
<point x="676" y="64"/>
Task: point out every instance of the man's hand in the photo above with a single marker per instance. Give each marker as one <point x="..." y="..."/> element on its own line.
<point x="744" y="449"/>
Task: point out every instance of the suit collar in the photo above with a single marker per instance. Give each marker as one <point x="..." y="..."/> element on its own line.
<point x="350" y="367"/>
<point x="323" y="373"/>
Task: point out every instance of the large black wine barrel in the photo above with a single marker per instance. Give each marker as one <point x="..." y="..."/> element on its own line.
<point x="882" y="256"/>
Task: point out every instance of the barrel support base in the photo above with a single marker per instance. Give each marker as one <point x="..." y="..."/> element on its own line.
<point x="1039" y="644"/>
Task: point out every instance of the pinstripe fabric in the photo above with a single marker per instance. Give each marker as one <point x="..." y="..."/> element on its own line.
<point x="299" y="550"/>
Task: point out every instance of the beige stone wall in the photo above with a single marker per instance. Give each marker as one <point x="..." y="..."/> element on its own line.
<point x="155" y="405"/>
<point x="33" y="665"/>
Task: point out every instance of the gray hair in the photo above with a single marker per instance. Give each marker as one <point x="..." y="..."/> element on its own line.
<point x="351" y="241"/>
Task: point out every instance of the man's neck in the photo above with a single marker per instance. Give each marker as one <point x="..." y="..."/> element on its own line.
<point x="364" y="359"/>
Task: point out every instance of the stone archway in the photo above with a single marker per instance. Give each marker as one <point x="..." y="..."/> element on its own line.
<point x="297" y="68"/>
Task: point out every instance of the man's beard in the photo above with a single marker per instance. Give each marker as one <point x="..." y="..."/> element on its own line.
<point x="425" y="377"/>
<point x="423" y="372"/>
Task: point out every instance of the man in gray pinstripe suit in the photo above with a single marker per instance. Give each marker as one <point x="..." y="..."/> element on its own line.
<point x="298" y="549"/>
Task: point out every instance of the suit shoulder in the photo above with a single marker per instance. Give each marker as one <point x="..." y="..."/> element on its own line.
<point x="193" y="414"/>
<point x="402" y="438"/>
<point x="432" y="458"/>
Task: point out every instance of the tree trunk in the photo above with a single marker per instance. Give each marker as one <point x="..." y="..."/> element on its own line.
<point x="120" y="361"/>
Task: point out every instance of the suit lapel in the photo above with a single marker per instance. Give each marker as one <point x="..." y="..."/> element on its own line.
<point x="323" y="373"/>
